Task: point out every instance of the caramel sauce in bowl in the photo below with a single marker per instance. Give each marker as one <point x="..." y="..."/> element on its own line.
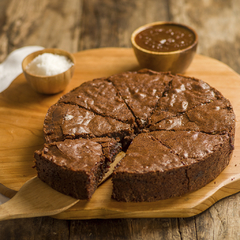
<point x="165" y="46"/>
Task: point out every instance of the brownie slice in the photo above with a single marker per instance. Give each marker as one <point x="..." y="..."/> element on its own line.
<point x="213" y="117"/>
<point x="141" y="91"/>
<point x="183" y="94"/>
<point x="205" y="156"/>
<point x="75" y="167"/>
<point x="71" y="121"/>
<point x="165" y="164"/>
<point x="101" y="97"/>
<point x="148" y="172"/>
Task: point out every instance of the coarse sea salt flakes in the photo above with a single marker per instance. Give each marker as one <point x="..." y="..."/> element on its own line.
<point x="48" y="64"/>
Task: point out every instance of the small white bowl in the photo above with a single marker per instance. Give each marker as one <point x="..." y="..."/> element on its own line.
<point x="48" y="84"/>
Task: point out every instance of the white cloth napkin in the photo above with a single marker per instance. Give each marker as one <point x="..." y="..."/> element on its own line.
<point x="12" y="66"/>
<point x="9" y="70"/>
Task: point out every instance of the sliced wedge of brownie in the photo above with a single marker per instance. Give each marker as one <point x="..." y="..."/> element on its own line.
<point x="148" y="172"/>
<point x="100" y="97"/>
<point x="66" y="121"/>
<point x="141" y="91"/>
<point x="183" y="94"/>
<point x="215" y="117"/>
<point x="75" y="167"/>
<point x="204" y="155"/>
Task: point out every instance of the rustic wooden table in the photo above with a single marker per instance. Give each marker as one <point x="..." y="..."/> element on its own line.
<point x="76" y="25"/>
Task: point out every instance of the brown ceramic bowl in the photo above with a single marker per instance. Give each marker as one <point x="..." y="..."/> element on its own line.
<point x="176" y="61"/>
<point x="48" y="84"/>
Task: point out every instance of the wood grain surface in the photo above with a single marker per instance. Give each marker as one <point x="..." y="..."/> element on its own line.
<point x="17" y="154"/>
<point x="76" y="25"/>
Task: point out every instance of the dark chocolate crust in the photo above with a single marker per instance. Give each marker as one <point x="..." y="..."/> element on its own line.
<point x="178" y="133"/>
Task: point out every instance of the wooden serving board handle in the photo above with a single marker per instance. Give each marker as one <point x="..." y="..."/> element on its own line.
<point x="35" y="199"/>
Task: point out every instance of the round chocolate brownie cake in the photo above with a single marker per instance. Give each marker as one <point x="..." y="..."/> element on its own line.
<point x="177" y="131"/>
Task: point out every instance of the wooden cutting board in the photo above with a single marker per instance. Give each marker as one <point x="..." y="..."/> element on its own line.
<point x="22" y="113"/>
